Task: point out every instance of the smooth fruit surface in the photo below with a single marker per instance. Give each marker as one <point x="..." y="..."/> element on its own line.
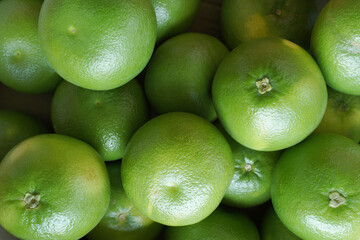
<point x="244" y="20"/>
<point x="122" y="220"/>
<point x="335" y="43"/>
<point x="315" y="189"/>
<point x="342" y="115"/>
<point x="269" y="94"/>
<point x="250" y="185"/>
<point x="99" y="45"/>
<point x="16" y="126"/>
<point x="104" y="119"/>
<point x="52" y="187"/>
<point x="180" y="73"/>
<point x="173" y="16"/>
<point x="176" y="169"/>
<point x="222" y="224"/>
<point x="23" y="66"/>
<point x="273" y="229"/>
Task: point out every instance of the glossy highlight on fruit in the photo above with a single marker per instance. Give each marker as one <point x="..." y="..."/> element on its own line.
<point x="104" y="119"/>
<point x="336" y="46"/>
<point x="122" y="220"/>
<point x="315" y="188"/>
<point x="52" y="187"/>
<point x="176" y="169"/>
<point x="250" y="185"/>
<point x="98" y="45"/>
<point x="180" y="73"/>
<point x="23" y="66"/>
<point x="269" y="94"/>
<point x="174" y="16"/>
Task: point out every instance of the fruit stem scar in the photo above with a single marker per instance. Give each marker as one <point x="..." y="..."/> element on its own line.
<point x="31" y="200"/>
<point x="248" y="167"/>
<point x="336" y="199"/>
<point x="122" y="217"/>
<point x="263" y="85"/>
<point x="278" y="12"/>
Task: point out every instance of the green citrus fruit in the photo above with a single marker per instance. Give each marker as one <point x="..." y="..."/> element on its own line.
<point x="250" y="185"/>
<point x="99" y="45"/>
<point x="273" y="229"/>
<point x="342" y="115"/>
<point x="52" y="187"/>
<point x="104" y="119"/>
<point x="315" y="189"/>
<point x="335" y="43"/>
<point x="176" y="169"/>
<point x="222" y="224"/>
<point x="23" y="66"/>
<point x="173" y="16"/>
<point x="269" y="94"/>
<point x="122" y="220"/>
<point x="16" y="126"/>
<point x="180" y="74"/>
<point x="244" y="20"/>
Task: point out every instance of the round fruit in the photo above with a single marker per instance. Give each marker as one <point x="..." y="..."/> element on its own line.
<point x="273" y="229"/>
<point x="342" y="115"/>
<point x="17" y="126"/>
<point x="23" y="67"/>
<point x="315" y="188"/>
<point x="180" y="73"/>
<point x="335" y="43"/>
<point x="222" y="224"/>
<point x="173" y="16"/>
<point x="176" y="169"/>
<point x="269" y="94"/>
<point x="244" y="20"/>
<point x="122" y="220"/>
<point x="52" y="187"/>
<point x="250" y="185"/>
<point x="104" y="119"/>
<point x="99" y="45"/>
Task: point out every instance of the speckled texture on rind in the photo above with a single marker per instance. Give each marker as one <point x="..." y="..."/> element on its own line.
<point x="71" y="179"/>
<point x="180" y="74"/>
<point x="303" y="179"/>
<point x="23" y="66"/>
<point x="104" y="119"/>
<point x="174" y="16"/>
<point x="99" y="45"/>
<point x="229" y="224"/>
<point x="335" y="43"/>
<point x="281" y="117"/>
<point x="176" y="169"/>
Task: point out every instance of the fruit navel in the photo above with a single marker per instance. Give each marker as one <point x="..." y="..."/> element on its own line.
<point x="263" y="85"/>
<point x="336" y="199"/>
<point x="248" y="167"/>
<point x="31" y="200"/>
<point x="122" y="217"/>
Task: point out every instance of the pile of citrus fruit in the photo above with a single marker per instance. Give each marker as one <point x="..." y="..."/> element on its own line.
<point x="161" y="132"/>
